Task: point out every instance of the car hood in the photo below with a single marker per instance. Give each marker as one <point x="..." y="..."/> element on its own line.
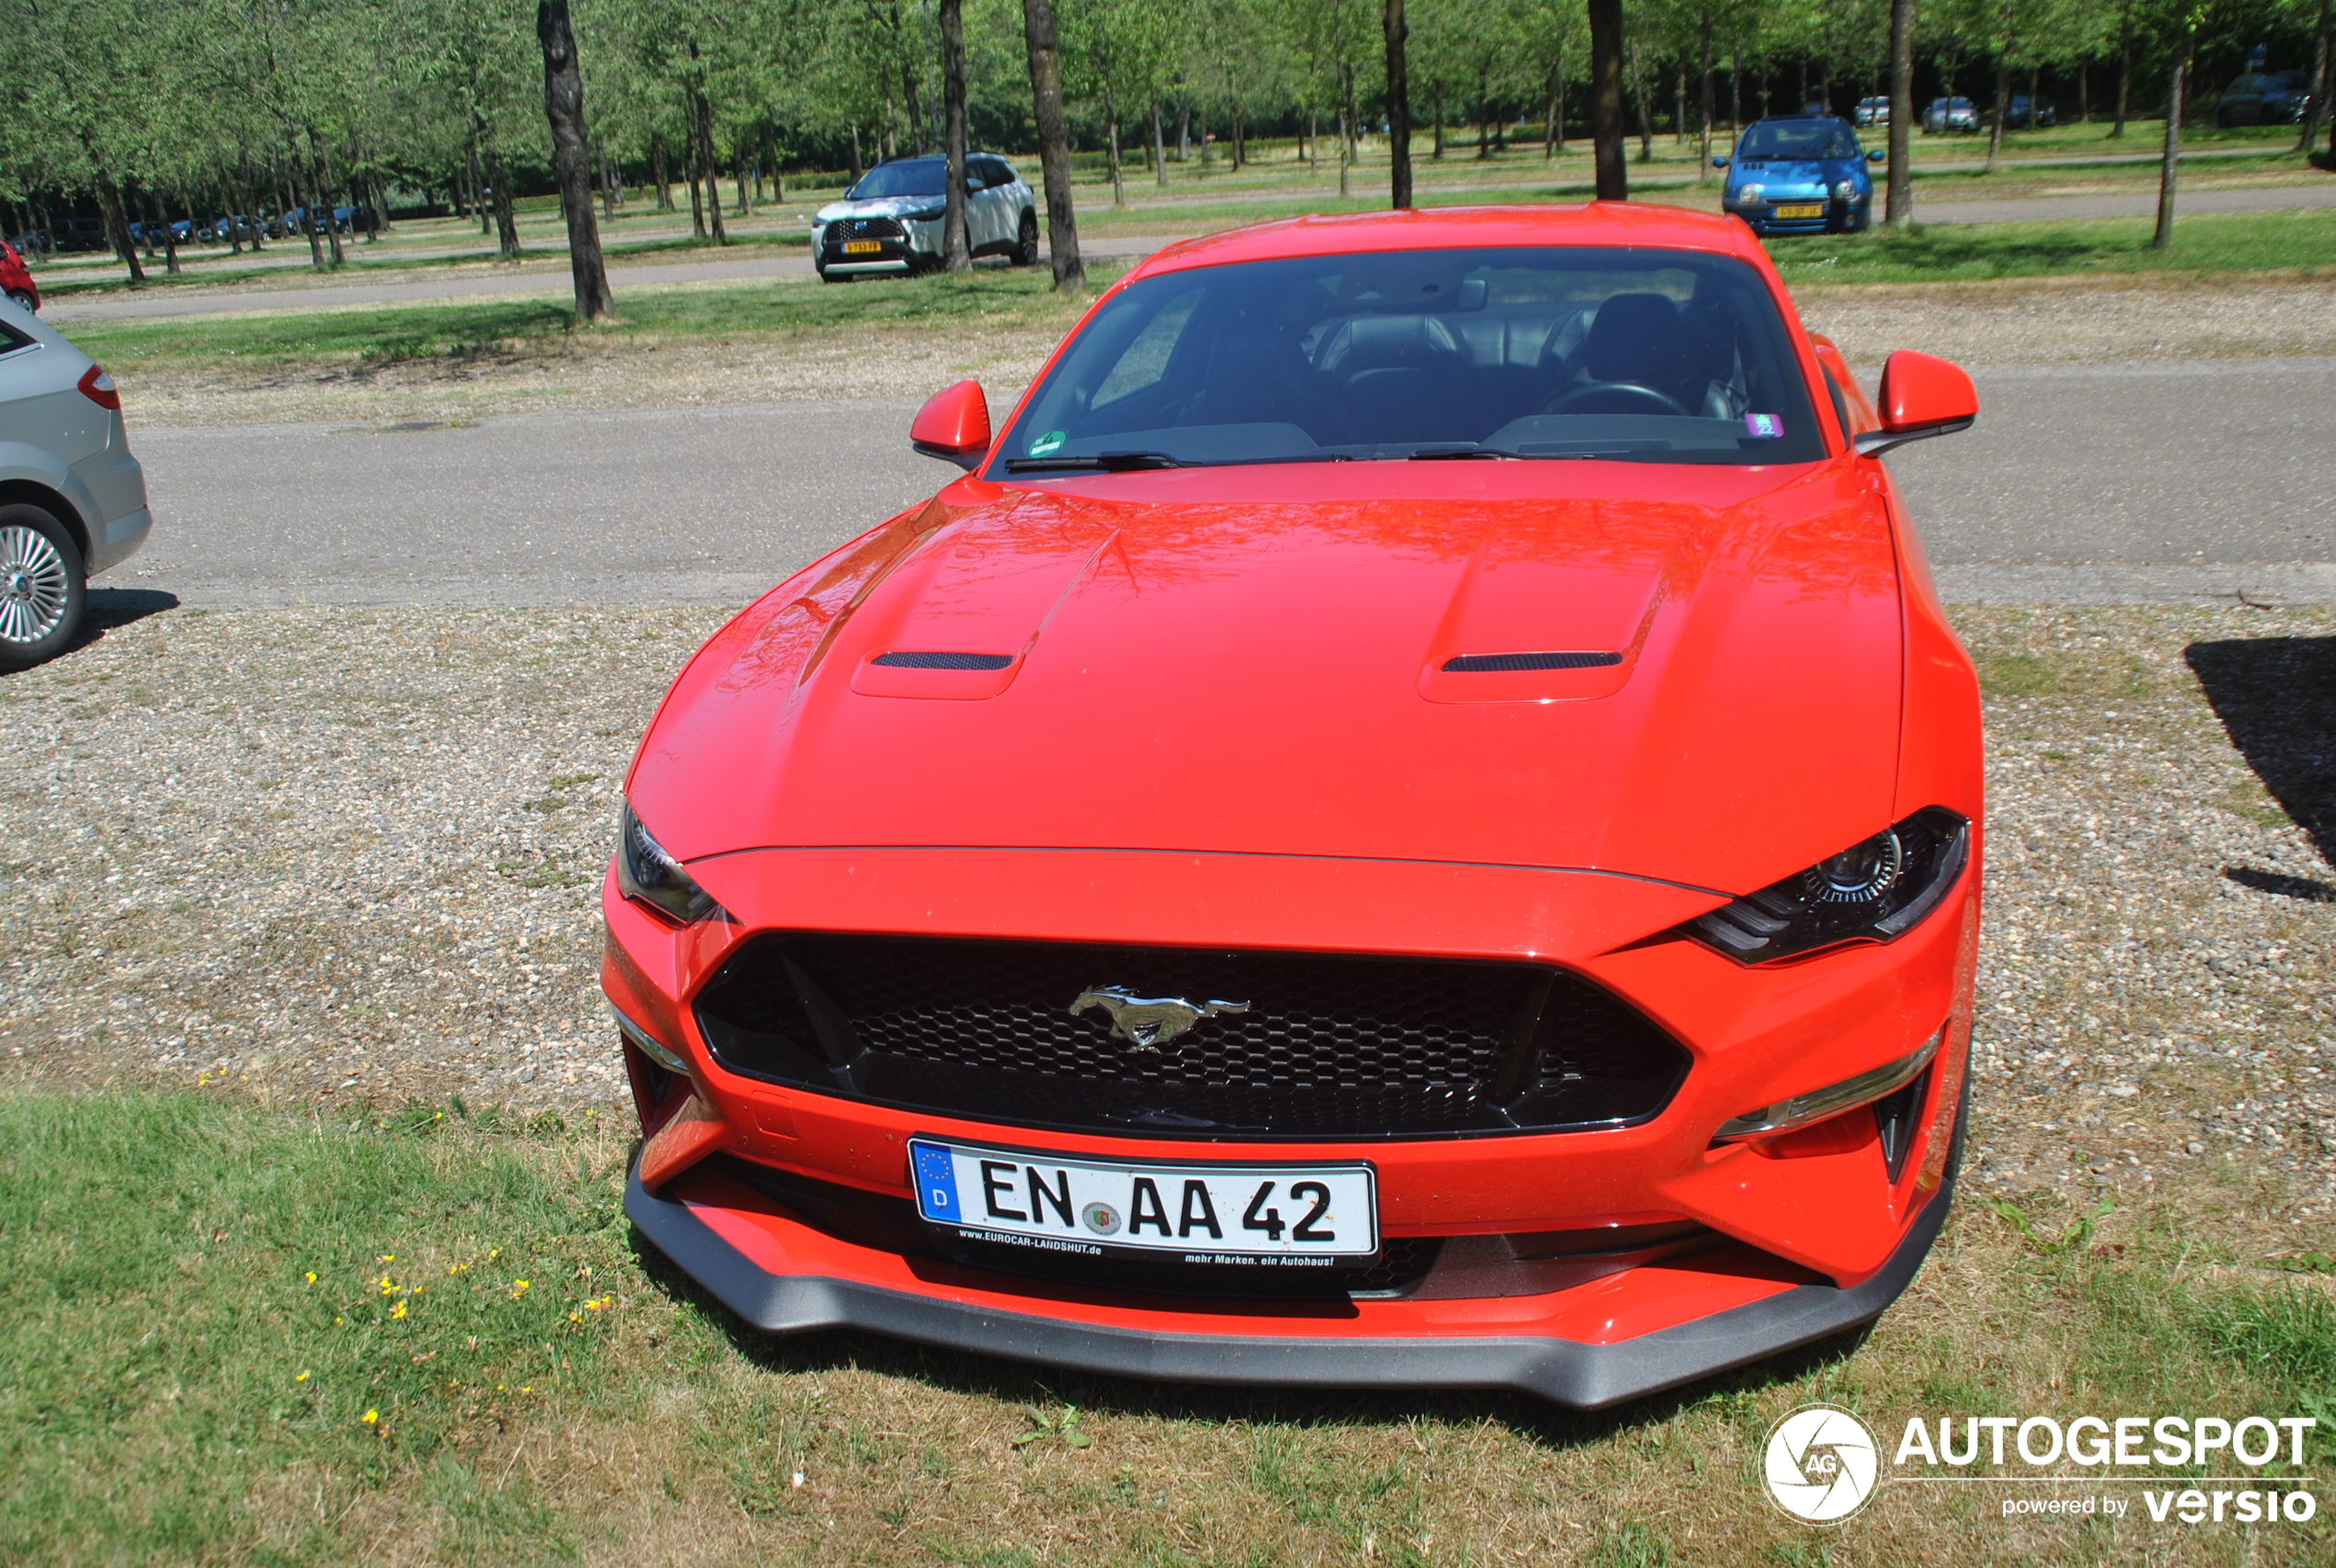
<point x="876" y="207"/>
<point x="1255" y="660"/>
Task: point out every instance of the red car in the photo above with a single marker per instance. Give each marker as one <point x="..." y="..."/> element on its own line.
<point x="1413" y="820"/>
<point x="15" y="278"/>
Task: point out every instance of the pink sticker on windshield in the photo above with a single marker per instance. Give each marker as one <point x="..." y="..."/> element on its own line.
<point x="1766" y="426"/>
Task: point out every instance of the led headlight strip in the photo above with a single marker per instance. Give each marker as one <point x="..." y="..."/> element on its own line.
<point x="1802" y="1110"/>
<point x="1876" y="890"/>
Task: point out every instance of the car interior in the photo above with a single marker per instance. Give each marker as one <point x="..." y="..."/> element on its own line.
<point x="1536" y="353"/>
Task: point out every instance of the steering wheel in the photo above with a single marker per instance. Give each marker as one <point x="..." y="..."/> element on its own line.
<point x="1624" y="391"/>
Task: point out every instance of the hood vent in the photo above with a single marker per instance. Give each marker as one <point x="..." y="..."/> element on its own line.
<point x="1506" y="663"/>
<point x="942" y="660"/>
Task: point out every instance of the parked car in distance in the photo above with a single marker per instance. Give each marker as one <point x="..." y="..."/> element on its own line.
<point x="15" y="278"/>
<point x="1873" y="111"/>
<point x="1949" y="115"/>
<point x="2265" y="97"/>
<point x="241" y="226"/>
<point x="2019" y="115"/>
<point x="1799" y="176"/>
<point x="79" y="234"/>
<point x="72" y="499"/>
<point x="890" y="221"/>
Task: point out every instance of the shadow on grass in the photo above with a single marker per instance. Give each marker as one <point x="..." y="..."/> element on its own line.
<point x="1018" y="1382"/>
<point x="2276" y="696"/>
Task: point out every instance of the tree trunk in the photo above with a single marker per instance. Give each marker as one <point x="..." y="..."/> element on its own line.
<point x="506" y="221"/>
<point x="1159" y="147"/>
<point x="2323" y="82"/>
<point x="661" y="173"/>
<point x="916" y="111"/>
<point x="2084" y="92"/>
<point x="1111" y="128"/>
<point x="1054" y="143"/>
<point x="117" y="228"/>
<point x="2183" y="47"/>
<point x="169" y="240"/>
<point x="1183" y="126"/>
<point x="1438" y="105"/>
<point x="324" y="176"/>
<point x="2003" y="112"/>
<point x="957" y="251"/>
<point x="1646" y="110"/>
<point x="1399" y="106"/>
<point x="1352" y="147"/>
<point x="689" y="169"/>
<point x="1607" y="130"/>
<point x="307" y="192"/>
<point x="1703" y="101"/>
<point x="1899" y="207"/>
<point x="1736" y="95"/>
<point x="857" y="160"/>
<point x="571" y="163"/>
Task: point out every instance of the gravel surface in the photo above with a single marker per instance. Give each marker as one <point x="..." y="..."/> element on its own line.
<point x="315" y="855"/>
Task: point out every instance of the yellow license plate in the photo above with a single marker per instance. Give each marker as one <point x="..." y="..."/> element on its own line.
<point x="863" y="247"/>
<point x="1812" y="209"/>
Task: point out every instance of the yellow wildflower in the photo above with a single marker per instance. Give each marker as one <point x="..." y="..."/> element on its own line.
<point x="519" y="1288"/>
<point x="372" y="1417"/>
<point x="312" y="1277"/>
<point x="302" y="1378"/>
<point x="398" y="1310"/>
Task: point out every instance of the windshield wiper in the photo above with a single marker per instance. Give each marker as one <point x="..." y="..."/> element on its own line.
<point x="1102" y="463"/>
<point x="1446" y="455"/>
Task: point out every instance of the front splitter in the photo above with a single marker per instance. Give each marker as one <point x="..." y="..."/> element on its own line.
<point x="1567" y="1372"/>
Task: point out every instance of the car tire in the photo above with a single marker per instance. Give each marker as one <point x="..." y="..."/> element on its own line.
<point x="43" y="590"/>
<point x="24" y="299"/>
<point x="1026" y="245"/>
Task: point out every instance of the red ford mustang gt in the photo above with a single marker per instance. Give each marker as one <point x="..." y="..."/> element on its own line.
<point x="1413" y="820"/>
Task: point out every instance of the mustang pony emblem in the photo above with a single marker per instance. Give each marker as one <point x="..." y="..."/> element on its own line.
<point x="1148" y="1023"/>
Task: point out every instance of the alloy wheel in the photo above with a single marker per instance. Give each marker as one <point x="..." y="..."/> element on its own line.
<point x="33" y="586"/>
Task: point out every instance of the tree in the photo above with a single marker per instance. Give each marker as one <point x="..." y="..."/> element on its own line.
<point x="1399" y="108"/>
<point x="956" y="253"/>
<point x="1898" y="208"/>
<point x="1054" y="143"/>
<point x="564" y="108"/>
<point x="2185" y="45"/>
<point x="1607" y="131"/>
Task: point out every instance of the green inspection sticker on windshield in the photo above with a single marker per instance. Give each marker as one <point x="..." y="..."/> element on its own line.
<point x="1049" y="444"/>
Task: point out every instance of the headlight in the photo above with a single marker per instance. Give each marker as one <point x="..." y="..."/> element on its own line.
<point x="1748" y="193"/>
<point x="647" y="873"/>
<point x="1876" y="890"/>
<point x="1846" y="190"/>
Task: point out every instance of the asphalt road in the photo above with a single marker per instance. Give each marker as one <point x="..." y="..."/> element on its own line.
<point x="2083" y="483"/>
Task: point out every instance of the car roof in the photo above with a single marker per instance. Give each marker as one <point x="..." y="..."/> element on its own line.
<point x="1798" y="120"/>
<point x="1451" y="228"/>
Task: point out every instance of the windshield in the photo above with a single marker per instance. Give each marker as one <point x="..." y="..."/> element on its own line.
<point x="915" y="177"/>
<point x="1650" y="356"/>
<point x="1803" y="139"/>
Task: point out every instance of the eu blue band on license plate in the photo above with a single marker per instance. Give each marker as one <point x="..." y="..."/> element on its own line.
<point x="1288" y="1214"/>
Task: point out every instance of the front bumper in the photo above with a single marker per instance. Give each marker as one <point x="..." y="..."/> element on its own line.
<point x="1839" y="218"/>
<point x="765" y="1268"/>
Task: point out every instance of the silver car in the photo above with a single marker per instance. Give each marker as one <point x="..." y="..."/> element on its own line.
<point x="73" y="501"/>
<point x="891" y="221"/>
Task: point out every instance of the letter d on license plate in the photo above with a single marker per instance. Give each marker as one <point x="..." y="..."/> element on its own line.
<point x="1289" y="1214"/>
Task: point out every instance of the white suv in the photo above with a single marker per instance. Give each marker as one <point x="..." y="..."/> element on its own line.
<point x="891" y="221"/>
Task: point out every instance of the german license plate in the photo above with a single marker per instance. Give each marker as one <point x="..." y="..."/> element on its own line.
<point x="863" y="247"/>
<point x="1270" y="1214"/>
<point x="1810" y="209"/>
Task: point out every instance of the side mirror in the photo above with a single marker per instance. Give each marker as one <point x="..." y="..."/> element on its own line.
<point x="1719" y="163"/>
<point x="1876" y="155"/>
<point x="954" y="426"/>
<point x="1921" y="396"/>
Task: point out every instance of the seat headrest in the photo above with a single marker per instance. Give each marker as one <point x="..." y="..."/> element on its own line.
<point x="1636" y="338"/>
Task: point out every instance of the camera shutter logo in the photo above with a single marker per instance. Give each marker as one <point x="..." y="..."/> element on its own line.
<point x="1821" y="1464"/>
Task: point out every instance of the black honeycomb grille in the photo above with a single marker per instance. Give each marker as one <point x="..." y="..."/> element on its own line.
<point x="865" y="228"/>
<point x="1329" y="1046"/>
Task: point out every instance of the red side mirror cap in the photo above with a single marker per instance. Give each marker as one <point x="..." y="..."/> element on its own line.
<point x="954" y="426"/>
<point x="1921" y="396"/>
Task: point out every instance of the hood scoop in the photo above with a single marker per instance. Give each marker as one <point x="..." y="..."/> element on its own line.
<point x="1509" y="663"/>
<point x="905" y="659"/>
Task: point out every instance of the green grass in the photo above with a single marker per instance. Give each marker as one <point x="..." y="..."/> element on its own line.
<point x="157" y="1313"/>
<point x="2220" y="243"/>
<point x="388" y="333"/>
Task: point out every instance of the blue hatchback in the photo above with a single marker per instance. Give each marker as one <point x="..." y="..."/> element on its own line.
<point x="1800" y="176"/>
